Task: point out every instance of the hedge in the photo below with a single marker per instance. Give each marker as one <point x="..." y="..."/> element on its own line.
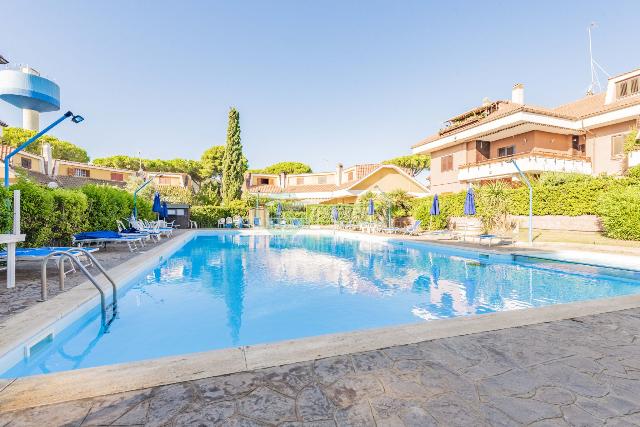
<point x="620" y="213"/>
<point x="321" y="214"/>
<point x="36" y="212"/>
<point x="51" y="216"/>
<point x="208" y="216"/>
<point x="553" y="194"/>
<point x="70" y="215"/>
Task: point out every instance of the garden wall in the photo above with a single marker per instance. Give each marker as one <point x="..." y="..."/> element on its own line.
<point x="562" y="223"/>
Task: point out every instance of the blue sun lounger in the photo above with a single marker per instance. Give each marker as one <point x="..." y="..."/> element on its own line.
<point x="105" y="236"/>
<point x="38" y="254"/>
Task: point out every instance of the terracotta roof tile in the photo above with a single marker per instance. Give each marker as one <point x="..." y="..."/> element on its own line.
<point x="594" y="104"/>
<point x="584" y="107"/>
<point x="78" y="181"/>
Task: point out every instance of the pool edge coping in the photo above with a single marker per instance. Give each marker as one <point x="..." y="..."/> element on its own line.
<point x="39" y="390"/>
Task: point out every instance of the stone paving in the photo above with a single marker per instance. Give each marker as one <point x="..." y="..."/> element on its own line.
<point x="579" y="372"/>
<point x="28" y="282"/>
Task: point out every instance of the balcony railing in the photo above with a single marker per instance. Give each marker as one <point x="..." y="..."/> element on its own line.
<point x="533" y="162"/>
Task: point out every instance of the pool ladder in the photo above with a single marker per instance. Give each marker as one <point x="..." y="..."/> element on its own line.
<point x="74" y="260"/>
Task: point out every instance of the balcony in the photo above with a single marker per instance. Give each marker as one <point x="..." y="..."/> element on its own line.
<point x="531" y="162"/>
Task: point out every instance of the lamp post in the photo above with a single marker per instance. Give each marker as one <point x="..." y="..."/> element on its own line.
<point x="135" y="194"/>
<point x="74" y="119"/>
<point x="526" y="181"/>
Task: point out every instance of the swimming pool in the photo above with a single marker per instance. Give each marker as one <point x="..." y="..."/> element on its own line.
<point x="226" y="290"/>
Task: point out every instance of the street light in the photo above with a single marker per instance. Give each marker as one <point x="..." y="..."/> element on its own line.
<point x="68" y="114"/>
<point x="135" y="194"/>
<point x="526" y="181"/>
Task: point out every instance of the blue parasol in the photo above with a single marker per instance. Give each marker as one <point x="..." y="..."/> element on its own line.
<point x="165" y="210"/>
<point x="371" y="210"/>
<point x="334" y="214"/>
<point x="470" y="203"/>
<point x="435" y="207"/>
<point x="279" y="210"/>
<point x="157" y="206"/>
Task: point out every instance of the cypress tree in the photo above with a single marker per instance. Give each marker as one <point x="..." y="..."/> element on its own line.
<point x="233" y="165"/>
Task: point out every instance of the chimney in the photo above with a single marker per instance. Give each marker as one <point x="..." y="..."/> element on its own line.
<point x="48" y="159"/>
<point x="339" y="174"/>
<point x="282" y="180"/>
<point x="517" y="94"/>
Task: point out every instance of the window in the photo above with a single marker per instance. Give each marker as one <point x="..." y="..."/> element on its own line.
<point x="25" y="163"/>
<point x="617" y="145"/>
<point x="83" y="173"/>
<point x="115" y="176"/>
<point x="263" y="181"/>
<point x="578" y="146"/>
<point x="446" y="163"/>
<point x="507" y="151"/>
<point x="164" y="180"/>
<point x="322" y="180"/>
<point x="627" y="87"/>
<point x="299" y="180"/>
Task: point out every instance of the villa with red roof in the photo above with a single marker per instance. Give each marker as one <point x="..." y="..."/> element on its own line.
<point x="585" y="136"/>
<point x="343" y="185"/>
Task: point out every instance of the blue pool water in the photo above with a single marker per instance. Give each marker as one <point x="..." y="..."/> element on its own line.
<point x="222" y="291"/>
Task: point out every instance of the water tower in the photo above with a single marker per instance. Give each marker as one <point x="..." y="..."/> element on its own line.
<point x="24" y="88"/>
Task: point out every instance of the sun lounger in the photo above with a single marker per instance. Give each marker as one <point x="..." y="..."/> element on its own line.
<point x="38" y="254"/>
<point x="411" y="230"/>
<point x="488" y="237"/>
<point x="104" y="237"/>
<point x="153" y="229"/>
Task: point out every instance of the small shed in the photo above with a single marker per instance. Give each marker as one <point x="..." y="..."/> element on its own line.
<point x="180" y="213"/>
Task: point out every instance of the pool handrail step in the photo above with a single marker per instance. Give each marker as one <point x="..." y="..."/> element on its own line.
<point x="73" y="259"/>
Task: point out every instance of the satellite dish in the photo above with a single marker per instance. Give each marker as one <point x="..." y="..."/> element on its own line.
<point x="53" y="184"/>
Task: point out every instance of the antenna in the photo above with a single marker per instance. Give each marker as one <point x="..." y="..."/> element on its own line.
<point x="595" y="79"/>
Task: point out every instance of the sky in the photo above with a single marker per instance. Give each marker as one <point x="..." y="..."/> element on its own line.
<point x="320" y="82"/>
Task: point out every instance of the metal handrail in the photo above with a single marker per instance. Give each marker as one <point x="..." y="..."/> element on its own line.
<point x="69" y="254"/>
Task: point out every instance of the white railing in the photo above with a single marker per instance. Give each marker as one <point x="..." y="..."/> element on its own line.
<point x="528" y="163"/>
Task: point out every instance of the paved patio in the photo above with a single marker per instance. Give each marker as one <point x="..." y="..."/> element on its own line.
<point x="583" y="372"/>
<point x="28" y="282"/>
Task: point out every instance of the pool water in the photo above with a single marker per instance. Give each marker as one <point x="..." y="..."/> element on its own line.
<point x="226" y="290"/>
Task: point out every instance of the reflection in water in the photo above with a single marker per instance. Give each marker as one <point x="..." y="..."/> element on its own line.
<point x="230" y="290"/>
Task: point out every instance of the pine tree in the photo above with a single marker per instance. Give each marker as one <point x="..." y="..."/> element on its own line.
<point x="234" y="165"/>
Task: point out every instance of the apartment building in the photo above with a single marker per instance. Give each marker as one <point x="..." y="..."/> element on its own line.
<point x="584" y="136"/>
<point x="340" y="186"/>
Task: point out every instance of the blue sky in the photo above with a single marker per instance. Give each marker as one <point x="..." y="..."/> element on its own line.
<point x="315" y="81"/>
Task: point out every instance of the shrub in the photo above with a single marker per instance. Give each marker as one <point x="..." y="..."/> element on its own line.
<point x="208" y="216"/>
<point x="69" y="216"/>
<point x="631" y="142"/>
<point x="108" y="204"/>
<point x="401" y="203"/>
<point x="238" y="207"/>
<point x="360" y="211"/>
<point x="450" y="205"/>
<point x="620" y="213"/>
<point x="36" y="212"/>
<point x="6" y="210"/>
<point x="492" y="203"/>
<point x="634" y="173"/>
<point x="560" y="194"/>
<point x="176" y="195"/>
